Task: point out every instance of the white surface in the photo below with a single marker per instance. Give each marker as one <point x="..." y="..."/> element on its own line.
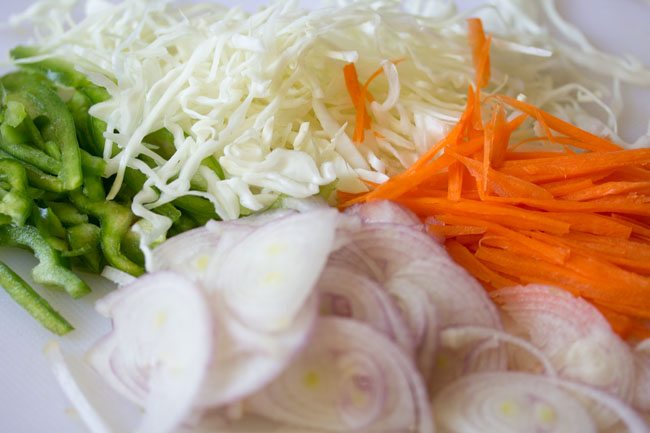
<point x="30" y="401"/>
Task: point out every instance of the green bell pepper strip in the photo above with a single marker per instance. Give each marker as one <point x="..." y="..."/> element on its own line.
<point x="16" y="202"/>
<point x="201" y="209"/>
<point x="92" y="165"/>
<point x="55" y="69"/>
<point x="50" y="270"/>
<point x="32" y="302"/>
<point x="42" y="102"/>
<point x="85" y="245"/>
<point x="68" y="214"/>
<point x="50" y="228"/>
<point x="43" y="181"/>
<point x="33" y="156"/>
<point x="115" y="222"/>
<point x="18" y="128"/>
<point x="90" y="130"/>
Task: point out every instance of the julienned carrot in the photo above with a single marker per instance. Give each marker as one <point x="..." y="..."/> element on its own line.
<point x="510" y="216"/>
<point x="609" y="189"/>
<point x="631" y="205"/>
<point x="576" y="276"/>
<point x="483" y="273"/>
<point x="546" y="251"/>
<point x="593" y="223"/>
<point x="575" y="215"/>
<point x="500" y="183"/>
<point x="480" y="45"/>
<point x="628" y="255"/>
<point x="588" y="140"/>
<point x="566" y="166"/>
<point x="359" y="94"/>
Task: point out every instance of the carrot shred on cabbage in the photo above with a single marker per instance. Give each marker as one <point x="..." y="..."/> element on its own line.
<point x="574" y="214"/>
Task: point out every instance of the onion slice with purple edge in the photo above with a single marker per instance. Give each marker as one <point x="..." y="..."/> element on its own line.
<point x="346" y="293"/>
<point x="459" y="300"/>
<point x="573" y="334"/>
<point x="431" y="289"/>
<point x="339" y="383"/>
<point x="508" y="402"/>
<point x="384" y="211"/>
<point x="158" y="352"/>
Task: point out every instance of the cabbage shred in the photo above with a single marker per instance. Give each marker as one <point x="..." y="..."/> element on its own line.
<point x="264" y="94"/>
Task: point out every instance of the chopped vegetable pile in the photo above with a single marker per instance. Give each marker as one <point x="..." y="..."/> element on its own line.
<point x="573" y="212"/>
<point x="319" y="321"/>
<point x="488" y="270"/>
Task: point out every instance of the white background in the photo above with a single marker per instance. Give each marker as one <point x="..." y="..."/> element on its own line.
<point x="30" y="401"/>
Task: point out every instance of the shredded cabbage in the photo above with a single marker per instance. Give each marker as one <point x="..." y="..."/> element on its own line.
<point x="264" y="92"/>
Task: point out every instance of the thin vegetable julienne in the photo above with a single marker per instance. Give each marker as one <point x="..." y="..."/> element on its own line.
<point x="41" y="101"/>
<point x="32" y="302"/>
<point x="50" y="270"/>
<point x="585" y="210"/>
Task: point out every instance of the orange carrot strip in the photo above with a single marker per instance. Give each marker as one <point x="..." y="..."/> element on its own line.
<point x="520" y="267"/>
<point x="450" y="231"/>
<point x="466" y="259"/>
<point x="549" y="252"/>
<point x="455" y="181"/>
<point x="639" y="229"/>
<point x="352" y="83"/>
<point x="626" y="205"/>
<point x="593" y="223"/>
<point x="497" y="144"/>
<point x="588" y="140"/>
<point x="527" y="155"/>
<point x="480" y="46"/>
<point x="609" y="188"/>
<point x="357" y="94"/>
<point x="630" y="255"/>
<point x="563" y="187"/>
<point x="509" y="216"/>
<point x="563" y="167"/>
<point x="579" y="275"/>
<point x="502" y="184"/>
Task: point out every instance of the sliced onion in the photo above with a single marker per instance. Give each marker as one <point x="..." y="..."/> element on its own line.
<point x="245" y="360"/>
<point x="573" y="333"/>
<point x="459" y="300"/>
<point x="508" y="402"/>
<point x="339" y="383"/>
<point x="641" y="398"/>
<point x="421" y="316"/>
<point x="158" y="352"/>
<point x="459" y="336"/>
<point x="632" y="420"/>
<point x="191" y="252"/>
<point x="380" y="249"/>
<point x="346" y="293"/>
<point x="575" y="336"/>
<point x="117" y="276"/>
<point x="384" y="211"/>
<point x="87" y="412"/>
<point x="260" y="280"/>
<point x="257" y="219"/>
